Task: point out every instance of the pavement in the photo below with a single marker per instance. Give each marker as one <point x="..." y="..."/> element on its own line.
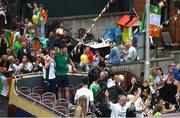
<point x="3" y="106"/>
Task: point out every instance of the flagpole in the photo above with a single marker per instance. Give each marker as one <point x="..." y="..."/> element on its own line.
<point x="147" y="52"/>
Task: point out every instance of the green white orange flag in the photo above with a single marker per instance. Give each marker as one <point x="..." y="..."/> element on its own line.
<point x="155" y="20"/>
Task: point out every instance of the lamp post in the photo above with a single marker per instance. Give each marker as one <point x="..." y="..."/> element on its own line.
<point x="147" y="52"/>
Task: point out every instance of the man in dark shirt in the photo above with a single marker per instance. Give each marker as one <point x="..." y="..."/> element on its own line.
<point x="25" y="50"/>
<point x="52" y="40"/>
<point x="3" y="45"/>
<point x="66" y="40"/>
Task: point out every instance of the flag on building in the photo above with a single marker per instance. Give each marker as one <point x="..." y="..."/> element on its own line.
<point x="155" y="20"/>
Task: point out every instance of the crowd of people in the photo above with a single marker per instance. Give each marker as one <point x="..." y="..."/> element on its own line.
<point x="103" y="93"/>
<point x="109" y="97"/>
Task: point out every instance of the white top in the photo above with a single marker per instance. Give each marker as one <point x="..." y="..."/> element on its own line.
<point x="158" y="79"/>
<point x="110" y="83"/>
<point x="131" y="54"/>
<point x="59" y="31"/>
<point x="27" y="66"/>
<point x="84" y="91"/>
<point x="119" y="111"/>
<point x="51" y="71"/>
<point x="17" y="68"/>
<point x="138" y="104"/>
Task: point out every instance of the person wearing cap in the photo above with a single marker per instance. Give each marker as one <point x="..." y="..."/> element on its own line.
<point x="174" y="71"/>
<point x="114" y="56"/>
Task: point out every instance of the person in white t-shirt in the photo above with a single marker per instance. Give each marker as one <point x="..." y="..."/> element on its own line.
<point x="85" y="91"/>
<point x="118" y="110"/>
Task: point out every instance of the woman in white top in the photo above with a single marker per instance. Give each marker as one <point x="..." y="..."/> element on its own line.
<point x="26" y="65"/>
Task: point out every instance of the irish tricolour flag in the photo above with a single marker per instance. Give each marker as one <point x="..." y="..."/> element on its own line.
<point x="4" y="85"/>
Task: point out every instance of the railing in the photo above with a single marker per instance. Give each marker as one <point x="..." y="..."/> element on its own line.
<point x="27" y="103"/>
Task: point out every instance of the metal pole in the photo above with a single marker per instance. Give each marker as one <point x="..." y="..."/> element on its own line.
<point x="147" y="52"/>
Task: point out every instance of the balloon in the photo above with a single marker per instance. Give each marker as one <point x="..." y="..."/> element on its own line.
<point x="84" y="59"/>
<point x="35" y="19"/>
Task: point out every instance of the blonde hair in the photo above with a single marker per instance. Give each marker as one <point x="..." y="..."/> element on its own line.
<point x="81" y="110"/>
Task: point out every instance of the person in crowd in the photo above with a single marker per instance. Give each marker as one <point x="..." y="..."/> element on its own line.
<point x="11" y="62"/>
<point x="119" y="109"/>
<point x="157" y="110"/>
<point x="9" y="52"/>
<point x="43" y="18"/>
<point x="36" y="44"/>
<point x="141" y="77"/>
<point x="103" y="78"/>
<point x="25" y="50"/>
<point x="66" y="40"/>
<point x="133" y="85"/>
<point x="4" y="63"/>
<point x="96" y="58"/>
<point x="130" y="53"/>
<point x="62" y="59"/>
<point x="145" y="90"/>
<point x="94" y="87"/>
<point x="170" y="91"/>
<point x="60" y="29"/>
<point x="86" y="92"/>
<point x="114" y="86"/>
<point x="22" y="27"/>
<point x="35" y="8"/>
<point x="16" y="66"/>
<point x="161" y="108"/>
<point x="26" y="65"/>
<point x="90" y="55"/>
<point x="148" y="93"/>
<point x="81" y="109"/>
<point x="174" y="71"/>
<point x="52" y="40"/>
<point x="49" y="72"/>
<point x="160" y="77"/>
<point x="139" y="105"/>
<point x="3" y="44"/>
<point x="28" y="26"/>
<point x="102" y="66"/>
<point x="114" y="56"/>
<point x="37" y="66"/>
